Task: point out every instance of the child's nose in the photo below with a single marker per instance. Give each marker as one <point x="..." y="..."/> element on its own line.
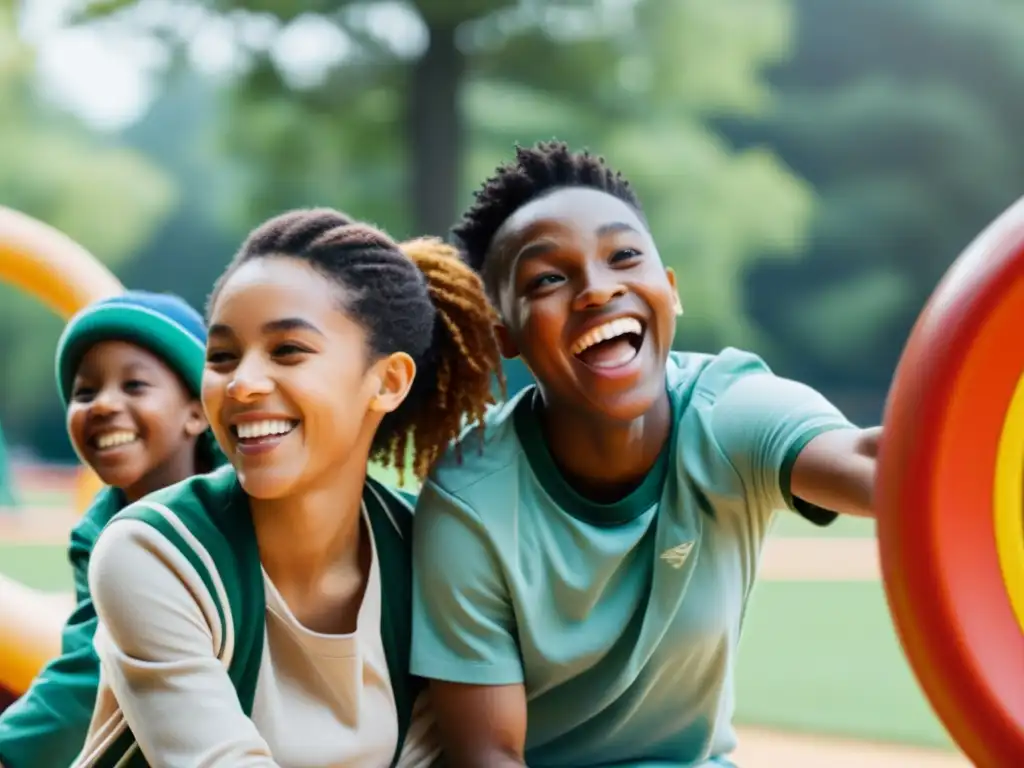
<point x="105" y="402"/>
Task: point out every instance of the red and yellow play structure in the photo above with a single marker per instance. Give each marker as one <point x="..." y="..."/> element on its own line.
<point x="61" y="274"/>
<point x="950" y="496"/>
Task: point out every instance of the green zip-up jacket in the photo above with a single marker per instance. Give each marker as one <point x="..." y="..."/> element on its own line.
<point x="46" y="727"/>
<point x="222" y="548"/>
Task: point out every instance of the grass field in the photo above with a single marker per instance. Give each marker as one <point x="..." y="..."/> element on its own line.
<point x="823" y="658"/>
<point x="41" y="566"/>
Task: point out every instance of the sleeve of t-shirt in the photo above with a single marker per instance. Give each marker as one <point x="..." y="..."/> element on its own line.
<point x="761" y="422"/>
<point x="156" y="646"/>
<point x="48" y="724"/>
<point x="463" y="627"/>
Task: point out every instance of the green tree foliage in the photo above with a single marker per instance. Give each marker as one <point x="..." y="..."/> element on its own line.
<point x="194" y="243"/>
<point x="712" y="209"/>
<point x="906" y="118"/>
<point x="102" y="196"/>
<point x="425" y="98"/>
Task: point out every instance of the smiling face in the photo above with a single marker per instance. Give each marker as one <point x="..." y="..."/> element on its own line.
<point x="289" y="386"/>
<point x="132" y="420"/>
<point x="586" y="302"/>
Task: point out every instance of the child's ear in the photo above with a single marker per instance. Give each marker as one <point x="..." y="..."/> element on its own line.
<point x="195" y="423"/>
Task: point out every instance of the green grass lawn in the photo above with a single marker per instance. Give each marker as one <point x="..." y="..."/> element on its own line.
<point x="41" y="566"/>
<point x="40" y="498"/>
<point x="823" y="658"/>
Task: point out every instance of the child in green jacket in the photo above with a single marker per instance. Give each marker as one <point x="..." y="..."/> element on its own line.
<point x="129" y="370"/>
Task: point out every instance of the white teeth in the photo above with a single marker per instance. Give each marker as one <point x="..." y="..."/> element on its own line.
<point x="112" y="439"/>
<point x="254" y="429"/>
<point x="609" y="330"/>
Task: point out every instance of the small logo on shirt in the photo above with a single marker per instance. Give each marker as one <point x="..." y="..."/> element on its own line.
<point x="676" y="557"/>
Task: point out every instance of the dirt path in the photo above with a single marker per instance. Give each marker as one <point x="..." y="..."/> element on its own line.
<point x="46" y="525"/>
<point x="770" y="749"/>
<point x="820" y="559"/>
<point x="44" y="533"/>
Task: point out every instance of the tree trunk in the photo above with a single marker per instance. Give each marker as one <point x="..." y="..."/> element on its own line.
<point x="435" y="126"/>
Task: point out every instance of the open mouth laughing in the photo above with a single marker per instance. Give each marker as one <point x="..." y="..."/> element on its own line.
<point x="611" y="345"/>
<point x="257" y="436"/>
<point x="111" y="440"/>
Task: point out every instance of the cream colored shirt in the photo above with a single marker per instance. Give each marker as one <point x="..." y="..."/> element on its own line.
<point x="322" y="701"/>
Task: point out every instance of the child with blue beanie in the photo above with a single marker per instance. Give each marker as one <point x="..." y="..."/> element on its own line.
<point x="129" y="371"/>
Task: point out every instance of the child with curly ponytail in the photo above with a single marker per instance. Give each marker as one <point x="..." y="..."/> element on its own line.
<point x="261" y="614"/>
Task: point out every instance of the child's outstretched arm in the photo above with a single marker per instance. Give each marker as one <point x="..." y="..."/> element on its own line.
<point x="836" y="470"/>
<point x="791" y="446"/>
<point x="48" y="725"/>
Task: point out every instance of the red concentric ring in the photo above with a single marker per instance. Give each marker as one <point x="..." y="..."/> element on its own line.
<point x="934" y="501"/>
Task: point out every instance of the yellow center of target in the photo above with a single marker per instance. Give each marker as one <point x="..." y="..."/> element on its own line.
<point x="1009" y="502"/>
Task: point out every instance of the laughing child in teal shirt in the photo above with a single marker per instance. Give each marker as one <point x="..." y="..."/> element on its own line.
<point x="581" y="582"/>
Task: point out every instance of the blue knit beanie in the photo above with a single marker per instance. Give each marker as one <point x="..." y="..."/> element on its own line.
<point x="162" y="323"/>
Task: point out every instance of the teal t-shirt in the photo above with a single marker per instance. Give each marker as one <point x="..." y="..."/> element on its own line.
<point x="622" y="620"/>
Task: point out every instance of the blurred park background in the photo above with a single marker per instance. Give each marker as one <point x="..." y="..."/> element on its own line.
<point x="810" y="168"/>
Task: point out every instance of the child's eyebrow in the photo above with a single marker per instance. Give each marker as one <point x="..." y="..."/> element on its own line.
<point x="541" y="246"/>
<point x="136" y="367"/>
<point x="273" y="326"/>
<point x="85" y="372"/>
<point x="533" y="250"/>
<point x="290" y="324"/>
<point x="614" y="227"/>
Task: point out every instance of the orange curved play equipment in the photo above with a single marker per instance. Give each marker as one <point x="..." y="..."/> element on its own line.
<point x="950" y="497"/>
<point x="48" y="265"/>
<point x="65" y="277"/>
<point x="31" y="635"/>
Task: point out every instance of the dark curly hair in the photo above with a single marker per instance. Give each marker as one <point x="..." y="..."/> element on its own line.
<point x="418" y="297"/>
<point x="536" y="171"/>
